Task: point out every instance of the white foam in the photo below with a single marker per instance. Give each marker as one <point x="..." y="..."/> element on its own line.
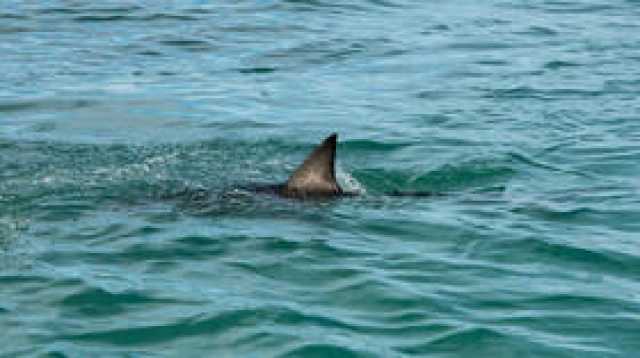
<point x="348" y="182"/>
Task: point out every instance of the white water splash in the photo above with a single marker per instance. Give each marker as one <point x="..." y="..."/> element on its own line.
<point x="348" y="182"/>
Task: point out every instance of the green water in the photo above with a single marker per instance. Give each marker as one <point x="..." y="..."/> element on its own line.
<point x="525" y="113"/>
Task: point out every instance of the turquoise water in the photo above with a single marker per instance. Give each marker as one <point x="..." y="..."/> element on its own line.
<point x="526" y="113"/>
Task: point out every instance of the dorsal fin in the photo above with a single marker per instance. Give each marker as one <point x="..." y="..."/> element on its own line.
<point x="317" y="175"/>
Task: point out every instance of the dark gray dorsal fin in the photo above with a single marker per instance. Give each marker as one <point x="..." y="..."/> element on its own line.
<point x="317" y="175"/>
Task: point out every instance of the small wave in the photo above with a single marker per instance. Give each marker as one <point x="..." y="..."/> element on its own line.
<point x="577" y="8"/>
<point x="10" y="16"/>
<point x="372" y="145"/>
<point x="99" y="302"/>
<point x="315" y="5"/>
<point x="101" y="18"/>
<point x="570" y="255"/>
<point x="170" y="331"/>
<point x="95" y="9"/>
<point x="473" y="174"/>
<point x="322" y="350"/>
<point x="558" y="301"/>
<point x="45" y="104"/>
<point x="258" y="70"/>
<point x="543" y="94"/>
<point x="460" y="340"/>
<point x="482" y="46"/>
<point x="557" y="64"/>
<point x="14" y="29"/>
<point x="188" y="44"/>
<point x="541" y="31"/>
<point x="537" y="163"/>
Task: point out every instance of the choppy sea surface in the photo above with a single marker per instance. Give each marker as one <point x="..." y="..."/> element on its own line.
<point x="526" y="114"/>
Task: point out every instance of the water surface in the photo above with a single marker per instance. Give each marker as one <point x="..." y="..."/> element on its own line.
<point x="525" y="112"/>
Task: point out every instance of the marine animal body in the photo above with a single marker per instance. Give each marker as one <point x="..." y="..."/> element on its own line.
<point x="315" y="178"/>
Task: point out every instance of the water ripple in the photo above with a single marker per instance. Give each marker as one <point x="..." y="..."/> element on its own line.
<point x="128" y="130"/>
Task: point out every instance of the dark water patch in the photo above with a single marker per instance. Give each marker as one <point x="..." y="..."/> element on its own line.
<point x="60" y="11"/>
<point x="541" y="249"/>
<point x="13" y="16"/>
<point x="434" y="94"/>
<point x="330" y="51"/>
<point x="519" y="92"/>
<point x="298" y="318"/>
<point x="96" y="232"/>
<point x="22" y="279"/>
<point x="525" y="92"/>
<point x="436" y="29"/>
<point x="384" y="3"/>
<point x="622" y="86"/>
<point x="29" y="352"/>
<point x="324" y="350"/>
<point x="388" y="228"/>
<point x="239" y="203"/>
<point x="159" y="334"/>
<point x="101" y="18"/>
<point x="144" y="231"/>
<point x="151" y="53"/>
<point x="176" y="17"/>
<point x="188" y="44"/>
<point x="203" y="242"/>
<point x="156" y="248"/>
<point x="554" y="65"/>
<point x="45" y="104"/>
<point x="566" y="334"/>
<point x="375" y="295"/>
<point x="258" y="70"/>
<point x="493" y="62"/>
<point x="433" y="119"/>
<point x="588" y="305"/>
<point x="99" y="302"/>
<point x="539" y="31"/>
<point x="321" y="249"/>
<point x="577" y="8"/>
<point x="89" y="9"/>
<point x="321" y="5"/>
<point x="280" y="245"/>
<point x="622" y="25"/>
<point x="55" y="212"/>
<point x="109" y="173"/>
<point x="240" y="124"/>
<point x="481" y="46"/>
<point x="265" y="341"/>
<point x="582" y="215"/>
<point x="378" y="180"/>
<point x="312" y="277"/>
<point x="134" y="18"/>
<point x="13" y="29"/>
<point x="471" y="340"/>
<point x="462" y="176"/>
<point x="364" y="145"/>
<point x="65" y="282"/>
<point x="540" y="164"/>
<point x="168" y="252"/>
